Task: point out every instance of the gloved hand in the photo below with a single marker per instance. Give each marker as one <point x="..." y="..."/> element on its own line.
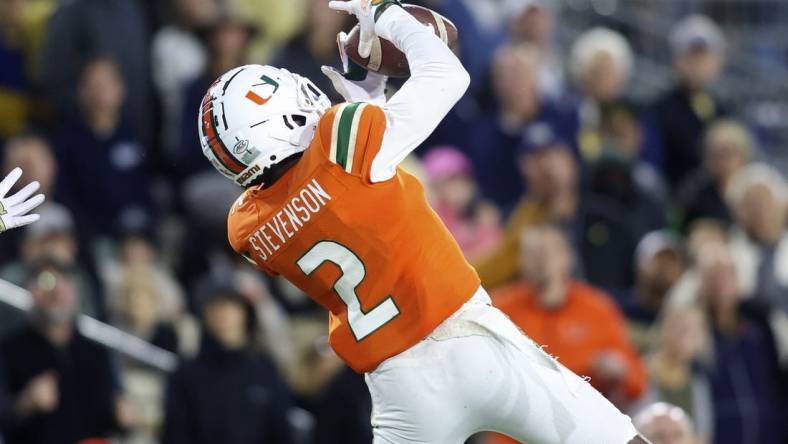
<point x="14" y="209"/>
<point x="367" y="13"/>
<point x="356" y="84"/>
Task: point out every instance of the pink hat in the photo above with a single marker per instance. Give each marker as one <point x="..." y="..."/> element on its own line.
<point x="445" y="161"/>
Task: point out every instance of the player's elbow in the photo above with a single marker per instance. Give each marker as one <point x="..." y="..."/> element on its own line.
<point x="458" y="82"/>
<point x="464" y="79"/>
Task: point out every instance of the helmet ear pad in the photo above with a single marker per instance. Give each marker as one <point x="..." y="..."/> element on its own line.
<point x="255" y="116"/>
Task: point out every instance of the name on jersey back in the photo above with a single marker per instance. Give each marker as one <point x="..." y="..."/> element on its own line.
<point x="283" y="225"/>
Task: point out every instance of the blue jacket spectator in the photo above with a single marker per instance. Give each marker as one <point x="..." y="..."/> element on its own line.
<point x="745" y="388"/>
<point x="492" y="142"/>
<point x="104" y="170"/>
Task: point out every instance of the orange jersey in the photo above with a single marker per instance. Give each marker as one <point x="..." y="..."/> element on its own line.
<point x="587" y="324"/>
<point x="375" y="255"/>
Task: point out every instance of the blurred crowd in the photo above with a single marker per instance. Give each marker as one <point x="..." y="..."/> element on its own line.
<point x="644" y="244"/>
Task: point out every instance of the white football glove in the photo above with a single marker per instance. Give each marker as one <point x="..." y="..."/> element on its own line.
<point x="367" y="13"/>
<point x="14" y="209"/>
<point x="356" y="84"/>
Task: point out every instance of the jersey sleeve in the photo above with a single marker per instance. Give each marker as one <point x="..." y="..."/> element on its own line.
<point x="352" y="135"/>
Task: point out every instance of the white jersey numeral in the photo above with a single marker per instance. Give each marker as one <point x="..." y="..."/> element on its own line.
<point x="353" y="272"/>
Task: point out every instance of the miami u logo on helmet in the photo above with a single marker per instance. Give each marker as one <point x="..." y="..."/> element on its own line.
<point x="258" y="99"/>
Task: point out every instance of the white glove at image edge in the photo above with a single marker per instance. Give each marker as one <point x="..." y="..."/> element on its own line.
<point x="14" y="209"/>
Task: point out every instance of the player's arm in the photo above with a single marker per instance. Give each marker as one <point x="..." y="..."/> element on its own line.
<point x="438" y="80"/>
<point x="14" y="209"/>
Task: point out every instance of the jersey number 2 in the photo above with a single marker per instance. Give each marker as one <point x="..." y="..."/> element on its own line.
<point x="353" y="272"/>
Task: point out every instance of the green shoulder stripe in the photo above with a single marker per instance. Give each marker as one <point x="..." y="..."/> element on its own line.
<point x="344" y="133"/>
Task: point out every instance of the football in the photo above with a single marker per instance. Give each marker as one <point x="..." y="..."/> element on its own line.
<point x="388" y="60"/>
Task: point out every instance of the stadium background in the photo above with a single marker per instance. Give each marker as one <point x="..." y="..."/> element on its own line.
<point x="597" y="136"/>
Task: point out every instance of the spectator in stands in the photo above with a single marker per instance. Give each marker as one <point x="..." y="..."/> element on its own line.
<point x="178" y="58"/>
<point x="702" y="234"/>
<point x="549" y="169"/>
<point x="104" y="171"/>
<point x="273" y="334"/>
<point x="204" y="249"/>
<point x="621" y="135"/>
<point x="33" y="154"/>
<point x="343" y="410"/>
<point x="727" y="148"/>
<point x="138" y="310"/>
<point x="659" y="263"/>
<point x="516" y="86"/>
<point x="747" y="395"/>
<point x="474" y="222"/>
<point x="81" y="29"/>
<point x="315" y="46"/>
<point x="534" y="22"/>
<point x="228" y="393"/>
<point x="758" y="198"/>
<point x="138" y="255"/>
<point x="663" y="423"/>
<point x="337" y="396"/>
<point x="683" y="113"/>
<point x="600" y="63"/>
<point x="493" y="139"/>
<point x="681" y="344"/>
<point x="64" y="387"/>
<point x="625" y="199"/>
<point x="481" y="25"/>
<point x="51" y="238"/>
<point x="576" y="322"/>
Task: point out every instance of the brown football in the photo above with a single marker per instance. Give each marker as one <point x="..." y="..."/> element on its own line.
<point x="388" y="60"/>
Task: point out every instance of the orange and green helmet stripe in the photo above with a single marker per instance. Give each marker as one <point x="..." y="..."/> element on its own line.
<point x="215" y="143"/>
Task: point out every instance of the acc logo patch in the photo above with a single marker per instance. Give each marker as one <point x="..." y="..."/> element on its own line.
<point x="241" y="147"/>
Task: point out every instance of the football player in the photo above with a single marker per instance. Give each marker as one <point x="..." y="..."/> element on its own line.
<point x="14" y="209"/>
<point x="327" y="207"/>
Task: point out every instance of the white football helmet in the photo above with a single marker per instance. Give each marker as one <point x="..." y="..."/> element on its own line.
<point x="255" y="116"/>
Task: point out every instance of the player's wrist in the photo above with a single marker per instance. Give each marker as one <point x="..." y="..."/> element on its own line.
<point x="355" y="72"/>
<point x="383" y="6"/>
<point x="385" y="22"/>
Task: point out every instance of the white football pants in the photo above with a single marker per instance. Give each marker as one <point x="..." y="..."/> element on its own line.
<point x="478" y="372"/>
